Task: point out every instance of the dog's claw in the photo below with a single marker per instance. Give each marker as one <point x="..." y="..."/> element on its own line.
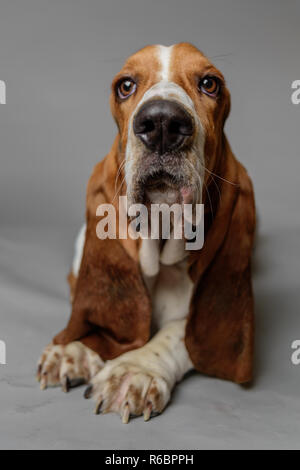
<point x="98" y="407"/>
<point x="65" y="384"/>
<point x="88" y="392"/>
<point x="38" y="373"/>
<point x="126" y="414"/>
<point x="43" y="382"/>
<point x="147" y="412"/>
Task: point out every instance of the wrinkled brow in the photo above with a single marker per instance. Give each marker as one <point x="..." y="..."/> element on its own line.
<point x="210" y="69"/>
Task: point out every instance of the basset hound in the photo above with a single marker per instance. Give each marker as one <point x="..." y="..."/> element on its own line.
<point x="146" y="311"/>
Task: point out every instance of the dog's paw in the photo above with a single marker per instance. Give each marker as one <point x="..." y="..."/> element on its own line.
<point x="130" y="390"/>
<point x="67" y="366"/>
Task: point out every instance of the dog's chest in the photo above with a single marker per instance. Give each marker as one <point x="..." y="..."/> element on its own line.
<point x="166" y="276"/>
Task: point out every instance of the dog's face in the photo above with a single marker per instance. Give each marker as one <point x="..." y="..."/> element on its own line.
<point x="170" y="104"/>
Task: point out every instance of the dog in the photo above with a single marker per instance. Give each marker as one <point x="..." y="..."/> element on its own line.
<point x="147" y="311"/>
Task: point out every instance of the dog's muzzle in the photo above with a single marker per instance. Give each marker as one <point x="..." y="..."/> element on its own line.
<point x="163" y="125"/>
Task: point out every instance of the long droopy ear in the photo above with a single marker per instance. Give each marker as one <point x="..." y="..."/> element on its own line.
<point x="220" y="327"/>
<point x="111" y="310"/>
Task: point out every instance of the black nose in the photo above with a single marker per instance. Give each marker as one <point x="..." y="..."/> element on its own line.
<point x="162" y="125"/>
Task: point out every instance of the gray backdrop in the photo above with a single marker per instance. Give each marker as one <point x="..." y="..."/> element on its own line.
<point x="58" y="58"/>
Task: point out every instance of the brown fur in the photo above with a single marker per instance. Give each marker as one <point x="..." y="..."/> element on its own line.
<point x="111" y="310"/>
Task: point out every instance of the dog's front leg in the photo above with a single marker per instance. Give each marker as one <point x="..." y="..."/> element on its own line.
<point x="141" y="381"/>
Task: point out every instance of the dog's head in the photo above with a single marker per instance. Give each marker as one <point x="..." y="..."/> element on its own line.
<point x="170" y="105"/>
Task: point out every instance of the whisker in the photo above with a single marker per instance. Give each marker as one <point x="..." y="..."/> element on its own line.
<point x="220" y="55"/>
<point x="210" y="203"/>
<point x="217" y="176"/>
<point x="198" y="181"/>
<point x="121" y="166"/>
<point x="216" y="187"/>
<point x="119" y="189"/>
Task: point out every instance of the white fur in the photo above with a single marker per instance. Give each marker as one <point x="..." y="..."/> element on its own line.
<point x="144" y="377"/>
<point x="149" y="257"/>
<point x="165" y="60"/>
<point x="167" y="90"/>
<point x="173" y="251"/>
<point x="169" y="283"/>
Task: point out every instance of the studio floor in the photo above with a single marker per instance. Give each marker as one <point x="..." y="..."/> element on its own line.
<point x="205" y="413"/>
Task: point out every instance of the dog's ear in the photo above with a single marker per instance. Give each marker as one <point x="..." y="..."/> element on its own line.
<point x="111" y="310"/>
<point x="226" y="106"/>
<point x="220" y="327"/>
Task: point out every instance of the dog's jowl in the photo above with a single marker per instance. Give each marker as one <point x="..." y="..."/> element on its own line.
<point x="147" y="310"/>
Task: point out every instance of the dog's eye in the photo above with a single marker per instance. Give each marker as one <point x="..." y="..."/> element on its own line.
<point x="210" y="86"/>
<point x="126" y="88"/>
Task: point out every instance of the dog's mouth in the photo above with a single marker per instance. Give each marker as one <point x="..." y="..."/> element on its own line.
<point x="162" y="181"/>
<point x="169" y="179"/>
<point x="163" y="187"/>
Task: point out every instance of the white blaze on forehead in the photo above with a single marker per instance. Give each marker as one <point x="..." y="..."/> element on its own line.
<point x="164" y="88"/>
<point x="165" y="61"/>
<point x="166" y="91"/>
